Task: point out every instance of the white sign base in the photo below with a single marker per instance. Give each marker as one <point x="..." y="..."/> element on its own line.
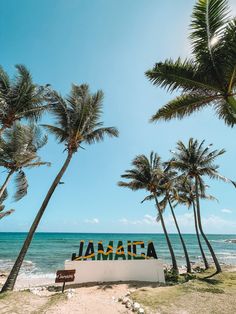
<point x="119" y="270"/>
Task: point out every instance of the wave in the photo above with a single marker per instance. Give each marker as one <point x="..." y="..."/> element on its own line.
<point x="28" y="267"/>
<point x="39" y="275"/>
<point x="230" y="241"/>
<point x="218" y="241"/>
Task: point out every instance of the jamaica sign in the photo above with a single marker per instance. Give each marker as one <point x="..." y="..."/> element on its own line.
<point x="111" y="252"/>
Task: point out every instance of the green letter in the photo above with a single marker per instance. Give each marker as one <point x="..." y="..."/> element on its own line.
<point x="135" y="256"/>
<point x="151" y="253"/>
<point x="102" y="254"/>
<point x="120" y="251"/>
<point x="90" y="251"/>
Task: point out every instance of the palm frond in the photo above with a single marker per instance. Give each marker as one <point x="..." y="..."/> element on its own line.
<point x="208" y="20"/>
<point x="180" y="75"/>
<point x="150" y="197"/>
<point x="6" y="213"/>
<point x="99" y="134"/>
<point x="21" y="185"/>
<point x="4" y="82"/>
<point x="182" y="106"/>
<point x="56" y="131"/>
<point x="4" y="196"/>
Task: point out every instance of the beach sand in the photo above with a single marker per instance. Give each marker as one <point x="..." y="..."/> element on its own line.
<point x="196" y="296"/>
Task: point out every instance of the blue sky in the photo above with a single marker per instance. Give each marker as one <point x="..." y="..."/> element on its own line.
<point x="109" y="45"/>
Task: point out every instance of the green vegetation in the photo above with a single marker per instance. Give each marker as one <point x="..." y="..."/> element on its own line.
<point x="179" y="180"/>
<point x="215" y="294"/>
<point x="77" y="121"/>
<point x="208" y="78"/>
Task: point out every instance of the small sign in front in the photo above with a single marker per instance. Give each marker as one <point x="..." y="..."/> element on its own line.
<point x="65" y="276"/>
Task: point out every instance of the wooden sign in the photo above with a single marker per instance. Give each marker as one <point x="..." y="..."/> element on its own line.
<point x="65" y="276"/>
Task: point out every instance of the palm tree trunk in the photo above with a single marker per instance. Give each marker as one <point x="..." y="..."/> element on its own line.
<point x="174" y="263"/>
<point x="217" y="265"/>
<point x="4" y="186"/>
<point x="181" y="238"/>
<point x="10" y="282"/>
<point x="198" y="238"/>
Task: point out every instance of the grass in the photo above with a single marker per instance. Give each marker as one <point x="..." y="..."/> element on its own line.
<point x="197" y="295"/>
<point x="19" y="302"/>
<point x="52" y="300"/>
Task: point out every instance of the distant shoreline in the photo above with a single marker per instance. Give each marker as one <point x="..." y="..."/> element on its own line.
<point x="139" y="233"/>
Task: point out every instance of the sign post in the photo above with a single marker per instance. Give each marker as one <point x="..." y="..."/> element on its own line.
<point x="65" y="276"/>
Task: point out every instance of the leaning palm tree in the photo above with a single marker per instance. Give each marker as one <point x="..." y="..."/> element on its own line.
<point x="77" y="121"/>
<point x="19" y="148"/>
<point x="208" y="78"/>
<point x="146" y="175"/>
<point x="19" y="98"/>
<point x="195" y="161"/>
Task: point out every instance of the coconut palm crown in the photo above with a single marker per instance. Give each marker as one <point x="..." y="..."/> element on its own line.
<point x="196" y="161"/>
<point x="20" y="98"/>
<point x="19" y="148"/>
<point x="208" y="78"/>
<point x="77" y="118"/>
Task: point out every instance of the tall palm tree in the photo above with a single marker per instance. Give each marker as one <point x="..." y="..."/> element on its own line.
<point x="77" y="121"/>
<point x="146" y="175"/>
<point x="195" y="161"/>
<point x="169" y="186"/>
<point x="19" y="98"/>
<point x="187" y="197"/>
<point x="208" y="78"/>
<point x="19" y="148"/>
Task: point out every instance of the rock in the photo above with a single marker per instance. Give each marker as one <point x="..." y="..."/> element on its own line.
<point x="120" y="299"/>
<point x="128" y="305"/>
<point x="127" y="294"/>
<point x="141" y="311"/>
<point x="136" y="306"/>
<point x="54" y="288"/>
<point x="125" y="300"/>
<point x="69" y="295"/>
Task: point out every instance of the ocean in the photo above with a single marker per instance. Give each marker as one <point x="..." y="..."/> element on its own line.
<point x="48" y="251"/>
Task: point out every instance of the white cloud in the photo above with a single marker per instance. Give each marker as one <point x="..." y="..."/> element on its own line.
<point x="226" y="210"/>
<point x="211" y="224"/>
<point x="92" y="221"/>
<point x="147" y="219"/>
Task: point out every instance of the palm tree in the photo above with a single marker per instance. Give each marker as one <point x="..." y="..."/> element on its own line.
<point x="19" y="150"/>
<point x="145" y="175"/>
<point x="208" y="78"/>
<point x="195" y="161"/>
<point x="186" y="196"/>
<point x="77" y="121"/>
<point x="20" y="98"/>
<point x="169" y="186"/>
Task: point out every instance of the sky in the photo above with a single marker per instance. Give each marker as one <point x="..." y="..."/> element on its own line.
<point x="109" y="45"/>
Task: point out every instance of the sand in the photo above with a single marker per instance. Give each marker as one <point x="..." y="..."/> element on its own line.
<point x="93" y="298"/>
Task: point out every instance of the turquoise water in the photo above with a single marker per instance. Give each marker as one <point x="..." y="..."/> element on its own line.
<point x="48" y="251"/>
